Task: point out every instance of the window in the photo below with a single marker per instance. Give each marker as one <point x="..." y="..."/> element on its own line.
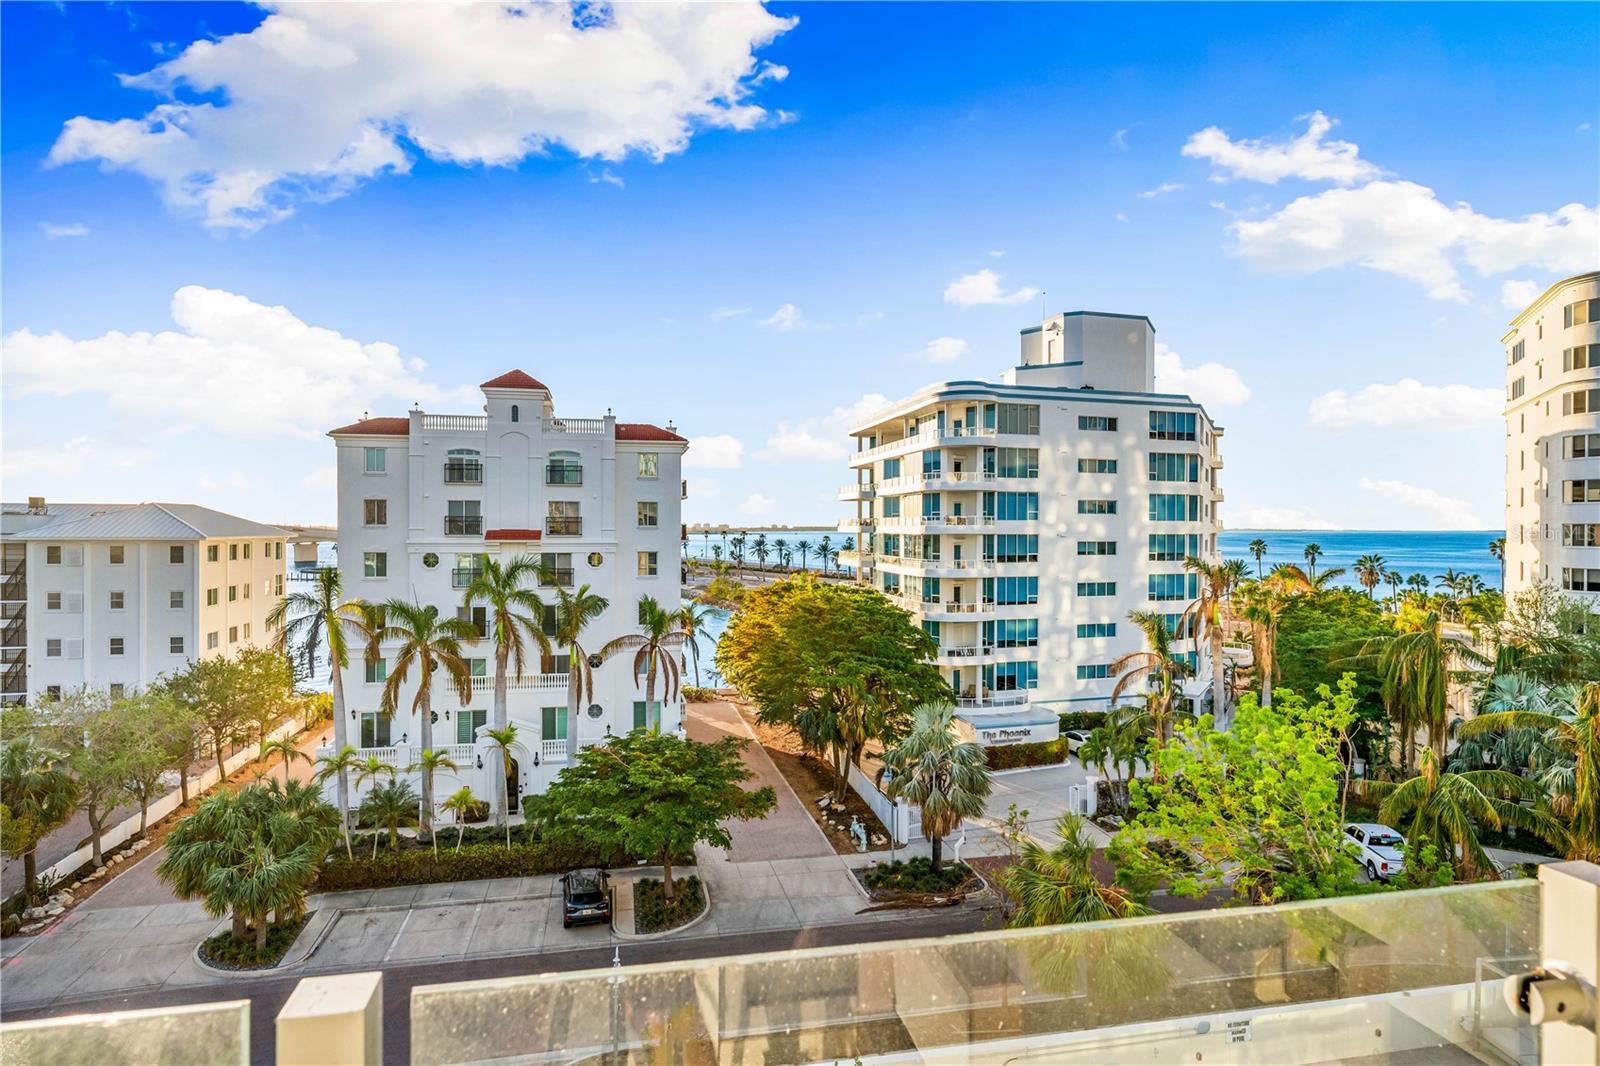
<point x="377" y="460"/>
<point x="1581" y="491"/>
<point x="647" y="564"/>
<point x="1097" y="423"/>
<point x="891" y="468"/>
<point x="211" y="597"/>
<point x="277" y="549"/>
<point x="245" y="593"/>
<point x="52" y="648"/>
<point x="891" y="507"/>
<point x="52" y="692"/>
<point x="1011" y="506"/>
<point x="52" y="554"/>
<point x="375" y="564"/>
<point x="1518" y="387"/>
<point x="52" y="601"/>
<point x="478" y="616"/>
<point x="648" y="514"/>
<point x="1581" y="446"/>
<point x="1165" y="508"/>
<point x="1094" y="630"/>
<point x="1580" y="402"/>
<point x="1097" y="466"/>
<point x="563" y="468"/>
<point x="563" y="519"/>
<point x="175" y="645"/>
<point x="891" y="582"/>
<point x="467" y="725"/>
<point x="1011" y="548"/>
<point x="277" y="584"/>
<point x="1174" y="466"/>
<point x="377" y="671"/>
<point x="375" y="512"/>
<point x="117" y="556"/>
<point x="1014" y="462"/>
<point x="1575" y="580"/>
<point x="1172" y="425"/>
<point x="463" y="518"/>
<point x="119" y="600"/>
<point x="556" y="570"/>
<point x="644" y="715"/>
<point x="478" y="667"/>
<point x="118" y="644"/>
<point x="1097" y="506"/>
<point x="1173" y="547"/>
<point x="1517" y="352"/>
<point x="1577" y="314"/>
<point x="1173" y="586"/>
<point x="1097" y="588"/>
<point x="1093" y="671"/>
<point x="553" y="723"/>
<point x="649" y="464"/>
<point x="1580" y="535"/>
<point x="233" y="593"/>
<point x="211" y="641"/>
<point x="516" y="413"/>
<point x="247" y="549"/>
<point x="175" y="554"/>
<point x="1011" y="677"/>
<point x="1097" y="547"/>
<point x="1010" y="590"/>
<point x="233" y="552"/>
<point x="374" y="730"/>
<point x="1582" y="357"/>
<point x="212" y="554"/>
<point x="1017" y="418"/>
<point x="1012" y="633"/>
<point x="233" y="634"/>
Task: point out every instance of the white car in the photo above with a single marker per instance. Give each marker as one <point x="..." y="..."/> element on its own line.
<point x="1381" y="849"/>
<point x="1074" y="739"/>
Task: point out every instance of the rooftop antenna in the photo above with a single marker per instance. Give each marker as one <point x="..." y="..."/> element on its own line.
<point x="1041" y="305"/>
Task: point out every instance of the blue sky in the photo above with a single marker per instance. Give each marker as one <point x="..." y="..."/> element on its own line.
<point x="757" y="222"/>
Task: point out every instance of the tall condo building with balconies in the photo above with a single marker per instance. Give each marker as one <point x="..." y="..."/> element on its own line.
<point x="1020" y="521"/>
<point x="1553" y="440"/>
<point x="423" y="498"/>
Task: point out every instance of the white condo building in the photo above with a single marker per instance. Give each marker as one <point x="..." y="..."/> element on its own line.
<point x="1553" y="440"/>
<point x="1021" y="520"/>
<point x="115" y="595"/>
<point x="423" y="497"/>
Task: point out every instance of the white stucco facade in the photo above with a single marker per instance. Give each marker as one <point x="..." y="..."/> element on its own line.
<point x="113" y="596"/>
<point x="1021" y="520"/>
<point x="422" y="497"/>
<point x="1552" y="475"/>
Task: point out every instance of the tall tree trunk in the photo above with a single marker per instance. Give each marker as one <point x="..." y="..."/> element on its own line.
<point x="222" y="768"/>
<point x="669" y="887"/>
<point x="30" y="872"/>
<point x="575" y="668"/>
<point x="1219" y="695"/>
<point x="425" y="827"/>
<point x="183" y="781"/>
<point x="93" y="811"/>
<point x="652" y="721"/>
<point x="498" y="768"/>
<point x="938" y="852"/>
<point x="261" y="932"/>
<point x="340" y="742"/>
<point x="144" y="810"/>
<point x="238" y="925"/>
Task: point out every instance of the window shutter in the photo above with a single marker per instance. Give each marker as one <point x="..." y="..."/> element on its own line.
<point x="72" y="554"/>
<point x="74" y="602"/>
<point x="73" y="647"/>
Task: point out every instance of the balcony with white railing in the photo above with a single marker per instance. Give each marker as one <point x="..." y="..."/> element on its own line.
<point x="553" y="750"/>
<point x="537" y="683"/>
<point x="587" y="427"/>
<point x="857" y="491"/>
<point x="954" y="652"/>
<point x="1015" y="698"/>
<point x="455" y="423"/>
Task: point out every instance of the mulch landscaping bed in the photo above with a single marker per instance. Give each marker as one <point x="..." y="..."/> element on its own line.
<point x="226" y="952"/>
<point x="811" y="778"/>
<point x="653" y="914"/>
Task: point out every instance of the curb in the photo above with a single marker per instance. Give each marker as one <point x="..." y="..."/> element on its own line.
<point x="684" y="928"/>
<point x="288" y="962"/>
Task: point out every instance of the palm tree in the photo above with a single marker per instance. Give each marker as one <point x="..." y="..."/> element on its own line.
<point x="428" y="763"/>
<point x="1497" y="550"/>
<point x="693" y="624"/>
<point x="38" y="794"/>
<point x="1575" y="783"/>
<point x="1115" y="743"/>
<point x="513" y="610"/>
<point x="502" y="739"/>
<point x="1258" y="550"/>
<point x="1395" y="581"/>
<point x="315" y="617"/>
<point x="716" y="552"/>
<point x="458" y="804"/>
<point x="1414" y="668"/>
<point x="803" y="548"/>
<point x="429" y="643"/>
<point x="660" y="633"/>
<point x="1207" y="619"/>
<point x="1057" y="886"/>
<point x="825" y="552"/>
<point x="1446" y="810"/>
<point x="736" y="551"/>
<point x="1370" y="571"/>
<point x="1450" y="581"/>
<point x="934" y="768"/>
<point x="1158" y="664"/>
<point x="1312" y="552"/>
<point x="1418" y="583"/>
<point x="343" y="762"/>
<point x="781" y="546"/>
<point x="1304" y="581"/>
<point x="391" y="805"/>
<point x="761" y="550"/>
<point x="372" y="768"/>
<point x="575" y="611"/>
<point x="285" y="748"/>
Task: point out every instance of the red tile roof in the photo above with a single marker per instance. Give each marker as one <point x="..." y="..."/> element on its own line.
<point x="392" y="427"/>
<point x="645" y="431"/>
<point x="511" y="534"/>
<point x="516" y="379"/>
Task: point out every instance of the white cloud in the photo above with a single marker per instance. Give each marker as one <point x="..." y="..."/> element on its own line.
<point x="786" y="317"/>
<point x="319" y="98"/>
<point x="825" y="438"/>
<point x="71" y="229"/>
<point x="1160" y="190"/>
<point x="705" y="488"/>
<point x="1516" y="293"/>
<point x="727" y="312"/>
<point x="867" y="318"/>
<point x="1402" y="228"/>
<point x="1440" y="511"/>
<point x="1408" y="404"/>
<point x="70" y="459"/>
<point x="759" y="505"/>
<point x="1213" y="384"/>
<point x="1307" y="156"/>
<point x="970" y="290"/>
<point x="996" y="253"/>
<point x="1119" y="140"/>
<point x="941" y="350"/>
<point x="324" y="478"/>
<point x="244" y="369"/>
<point x="719" y="451"/>
<point x="1277" y="518"/>
<point x="606" y="177"/>
<point x="1121" y="217"/>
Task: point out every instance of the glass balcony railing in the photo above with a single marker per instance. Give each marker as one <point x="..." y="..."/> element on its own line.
<point x="203" y="1033"/>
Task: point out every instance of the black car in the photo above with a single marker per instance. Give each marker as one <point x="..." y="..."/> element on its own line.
<point x="585" y="898"/>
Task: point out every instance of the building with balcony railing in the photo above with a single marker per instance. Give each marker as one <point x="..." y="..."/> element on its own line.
<point x="1021" y="520"/>
<point x="595" y="500"/>
<point x="114" y="595"/>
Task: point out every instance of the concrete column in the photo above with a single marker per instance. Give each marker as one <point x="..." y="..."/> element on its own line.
<point x="1569" y="939"/>
<point x="333" y="1021"/>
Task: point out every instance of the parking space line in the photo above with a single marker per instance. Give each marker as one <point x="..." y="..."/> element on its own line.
<point x="398" y="933"/>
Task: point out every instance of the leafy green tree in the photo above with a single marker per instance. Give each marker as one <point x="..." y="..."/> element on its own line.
<point x="661" y="634"/>
<point x="839" y="665"/>
<point x="651" y="794"/>
<point x="1057" y="885"/>
<point x="266" y="689"/>
<point x="1160" y="664"/>
<point x="391" y="805"/>
<point x="37" y="795"/>
<point x="934" y="768"/>
<point x="215" y="691"/>
<point x="156" y="743"/>
<point x="1256" y="808"/>
<point x="1113" y="747"/>
<point x="98" y="741"/>
<point x="513" y="611"/>
<point x="1316" y="639"/>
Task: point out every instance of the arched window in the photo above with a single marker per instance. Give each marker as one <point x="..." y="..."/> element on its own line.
<point x="514" y="413"/>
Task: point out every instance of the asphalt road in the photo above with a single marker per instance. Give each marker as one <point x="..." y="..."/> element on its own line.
<point x="267" y="996"/>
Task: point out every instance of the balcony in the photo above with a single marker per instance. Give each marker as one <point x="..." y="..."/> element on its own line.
<point x="14" y="635"/>
<point x="585" y="427"/>
<point x="463" y="472"/>
<point x="1014" y="698"/>
<point x="563" y="527"/>
<point x="858" y="491"/>
<point x="461" y="577"/>
<point x="965" y="651"/>
<point x="563" y="474"/>
<point x="463" y="526"/>
<point x="456" y="423"/>
<point x="553" y="750"/>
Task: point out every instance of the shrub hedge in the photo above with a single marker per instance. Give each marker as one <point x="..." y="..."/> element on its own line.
<point x="1084" y="720"/>
<point x="652" y="913"/>
<point x="1011" y="756"/>
<point x="419" y="866"/>
<point x="916" y="875"/>
<point x="228" y="951"/>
